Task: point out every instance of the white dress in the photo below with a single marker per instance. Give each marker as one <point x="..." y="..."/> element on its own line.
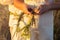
<point x="13" y="20"/>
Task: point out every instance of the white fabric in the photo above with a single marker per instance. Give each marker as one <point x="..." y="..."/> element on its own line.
<point x="35" y="2"/>
<point x="46" y="23"/>
<point x="45" y="26"/>
<point x="6" y="2"/>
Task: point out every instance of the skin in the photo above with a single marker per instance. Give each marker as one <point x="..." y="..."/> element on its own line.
<point x="47" y="7"/>
<point x="21" y="5"/>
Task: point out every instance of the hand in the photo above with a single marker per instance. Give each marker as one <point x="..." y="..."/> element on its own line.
<point x="44" y="8"/>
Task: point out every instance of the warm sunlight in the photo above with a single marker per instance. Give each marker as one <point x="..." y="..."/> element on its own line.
<point x="22" y="23"/>
<point x="35" y="2"/>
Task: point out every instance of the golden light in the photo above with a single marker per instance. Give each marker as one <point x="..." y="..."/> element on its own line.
<point x="5" y="2"/>
<point x="15" y="13"/>
<point x="22" y="30"/>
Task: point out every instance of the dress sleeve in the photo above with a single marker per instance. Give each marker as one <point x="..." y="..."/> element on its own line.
<point x="6" y="2"/>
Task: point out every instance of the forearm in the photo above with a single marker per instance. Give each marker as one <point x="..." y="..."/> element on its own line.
<point x="21" y="5"/>
<point x="54" y="6"/>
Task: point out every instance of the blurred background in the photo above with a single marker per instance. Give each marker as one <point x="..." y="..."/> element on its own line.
<point x="56" y="24"/>
<point x="4" y="20"/>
